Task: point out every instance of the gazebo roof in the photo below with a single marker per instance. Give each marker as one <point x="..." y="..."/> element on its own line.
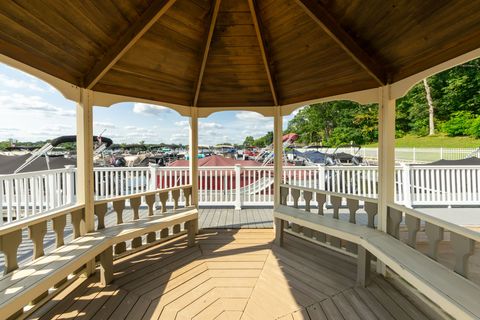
<point x="236" y="53"/>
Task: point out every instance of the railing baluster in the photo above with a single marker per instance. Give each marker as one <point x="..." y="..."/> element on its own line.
<point x="463" y="248"/>
<point x="150" y="200"/>
<point x="78" y="222"/>
<point x="163" y="200"/>
<point x="393" y="222"/>
<point x="413" y="226"/>
<point x="9" y="246"/>
<point x="307" y="195"/>
<point x="119" y="206"/>
<point x="135" y="205"/>
<point x="58" y="225"/>
<point x="100" y="210"/>
<point x="372" y="210"/>
<point x="336" y="203"/>
<point x="435" y="235"/>
<point x="175" y="197"/>
<point x="353" y="206"/>
<point x="321" y="199"/>
<point x="37" y="233"/>
<point x="296" y="196"/>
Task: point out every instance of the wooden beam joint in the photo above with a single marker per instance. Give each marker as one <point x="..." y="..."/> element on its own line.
<point x="329" y="25"/>
<point x="149" y="17"/>
<point x="267" y="61"/>
<point x="206" y="49"/>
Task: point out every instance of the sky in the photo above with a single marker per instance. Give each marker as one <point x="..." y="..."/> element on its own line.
<point x="32" y="110"/>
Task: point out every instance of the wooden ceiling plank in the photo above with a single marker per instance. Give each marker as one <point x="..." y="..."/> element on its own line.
<point x="330" y="26"/>
<point x="129" y="38"/>
<point x="257" y="22"/>
<point x="208" y="41"/>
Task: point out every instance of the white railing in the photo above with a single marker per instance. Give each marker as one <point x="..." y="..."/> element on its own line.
<point x="112" y="182"/>
<point x="26" y="194"/>
<point x="421" y="155"/>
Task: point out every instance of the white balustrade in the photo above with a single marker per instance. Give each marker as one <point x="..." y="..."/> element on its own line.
<point x="421" y="155"/>
<point x="26" y="194"/>
<point x="112" y="182"/>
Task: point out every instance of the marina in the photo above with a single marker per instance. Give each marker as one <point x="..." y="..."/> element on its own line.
<point x="240" y="159"/>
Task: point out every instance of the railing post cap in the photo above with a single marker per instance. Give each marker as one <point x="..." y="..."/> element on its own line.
<point x="153" y="165"/>
<point x="69" y="166"/>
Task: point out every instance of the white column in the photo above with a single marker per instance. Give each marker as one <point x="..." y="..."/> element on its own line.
<point x="278" y="154"/>
<point x="386" y="159"/>
<point x="406" y="185"/>
<point x="193" y="154"/>
<point x="85" y="193"/>
<point x="70" y="179"/>
<point x="238" y="195"/>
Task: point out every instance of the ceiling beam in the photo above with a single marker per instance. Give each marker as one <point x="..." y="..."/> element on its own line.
<point x="126" y="41"/>
<point x="330" y="26"/>
<point x="257" y="23"/>
<point x="206" y="49"/>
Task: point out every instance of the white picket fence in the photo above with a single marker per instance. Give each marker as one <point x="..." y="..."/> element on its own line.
<point x="27" y="194"/>
<point x="420" y="155"/>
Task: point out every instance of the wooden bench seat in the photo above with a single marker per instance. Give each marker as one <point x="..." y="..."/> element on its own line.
<point x="455" y="294"/>
<point x="20" y="287"/>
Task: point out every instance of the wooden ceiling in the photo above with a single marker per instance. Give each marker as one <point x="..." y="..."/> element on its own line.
<point x="236" y="53"/>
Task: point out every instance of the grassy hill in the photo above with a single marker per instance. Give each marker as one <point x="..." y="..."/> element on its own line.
<point x="436" y="141"/>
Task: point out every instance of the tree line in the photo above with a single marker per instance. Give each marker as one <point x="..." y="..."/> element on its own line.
<point x="447" y="103"/>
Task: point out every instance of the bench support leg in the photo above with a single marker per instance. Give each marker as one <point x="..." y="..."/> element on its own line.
<point x="363" y="266"/>
<point x="106" y="266"/>
<point x="192" y="232"/>
<point x="279" y="225"/>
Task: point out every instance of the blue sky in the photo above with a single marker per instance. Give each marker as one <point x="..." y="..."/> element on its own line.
<point x="32" y="110"/>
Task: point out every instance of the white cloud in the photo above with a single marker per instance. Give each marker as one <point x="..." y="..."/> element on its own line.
<point x="149" y="109"/>
<point x="20" y="102"/>
<point x="105" y="125"/>
<point x="182" y="123"/>
<point x="201" y="125"/>
<point x="251" y="116"/>
<point x="210" y="125"/>
<point x="6" y="81"/>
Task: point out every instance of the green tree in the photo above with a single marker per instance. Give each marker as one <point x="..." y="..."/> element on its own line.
<point x="249" y="141"/>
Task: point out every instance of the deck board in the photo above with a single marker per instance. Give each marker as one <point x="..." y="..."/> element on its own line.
<point x="233" y="274"/>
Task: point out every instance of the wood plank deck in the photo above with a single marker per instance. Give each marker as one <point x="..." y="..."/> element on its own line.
<point x="227" y="218"/>
<point x="234" y="274"/>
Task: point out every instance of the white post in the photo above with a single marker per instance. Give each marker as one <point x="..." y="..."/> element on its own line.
<point x="153" y="176"/>
<point x="441" y="153"/>
<point x="278" y="153"/>
<point x="193" y="154"/>
<point x="386" y="160"/>
<point x="85" y="194"/>
<point x="52" y="191"/>
<point x="238" y="199"/>
<point x="70" y="187"/>
<point x="321" y="177"/>
<point x="406" y="185"/>
<point x="153" y="181"/>
<point x="414" y="155"/>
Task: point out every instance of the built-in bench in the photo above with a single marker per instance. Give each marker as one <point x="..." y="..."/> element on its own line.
<point x="31" y="282"/>
<point x="454" y="293"/>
